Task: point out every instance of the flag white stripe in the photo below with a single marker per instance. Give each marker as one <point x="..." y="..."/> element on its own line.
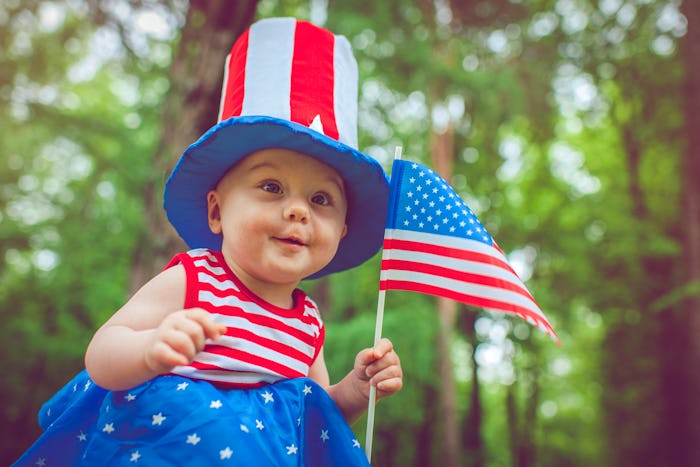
<point x="446" y="241"/>
<point x="269" y="68"/>
<point x="460" y="265"/>
<point x="492" y="293"/>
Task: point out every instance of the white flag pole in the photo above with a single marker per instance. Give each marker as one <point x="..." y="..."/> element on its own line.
<point x="377" y="335"/>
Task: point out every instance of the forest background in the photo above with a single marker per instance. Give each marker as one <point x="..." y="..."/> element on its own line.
<point x="570" y="127"/>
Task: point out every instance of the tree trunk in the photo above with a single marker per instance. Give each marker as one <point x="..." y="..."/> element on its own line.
<point x="442" y="148"/>
<point x="190" y="108"/>
<point x="425" y="435"/>
<point x="691" y="227"/>
<point x="472" y="442"/>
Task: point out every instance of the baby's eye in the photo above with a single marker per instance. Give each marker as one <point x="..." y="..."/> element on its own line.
<point x="321" y="198"/>
<point x="272" y="187"/>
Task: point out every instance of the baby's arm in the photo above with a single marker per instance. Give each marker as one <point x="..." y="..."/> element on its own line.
<point x="377" y="366"/>
<point x="149" y="335"/>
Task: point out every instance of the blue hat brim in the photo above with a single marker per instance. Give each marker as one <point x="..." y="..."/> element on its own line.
<point x="203" y="164"/>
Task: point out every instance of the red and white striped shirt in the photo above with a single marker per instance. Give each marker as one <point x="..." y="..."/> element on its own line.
<point x="263" y="343"/>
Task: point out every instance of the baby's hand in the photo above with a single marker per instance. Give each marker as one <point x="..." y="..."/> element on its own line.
<point x="379" y="366"/>
<point x="179" y="337"/>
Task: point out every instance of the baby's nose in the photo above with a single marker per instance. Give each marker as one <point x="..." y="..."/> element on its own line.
<point x="297" y="211"/>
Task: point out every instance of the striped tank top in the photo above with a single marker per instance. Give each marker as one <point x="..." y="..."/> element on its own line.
<point x="263" y="343"/>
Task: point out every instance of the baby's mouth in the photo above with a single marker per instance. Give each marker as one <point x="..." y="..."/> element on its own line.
<point x="292" y="241"/>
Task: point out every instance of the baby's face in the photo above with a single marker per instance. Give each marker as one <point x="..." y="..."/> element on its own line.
<point x="282" y="215"/>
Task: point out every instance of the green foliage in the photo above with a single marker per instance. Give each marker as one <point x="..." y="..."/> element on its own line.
<point x="568" y="142"/>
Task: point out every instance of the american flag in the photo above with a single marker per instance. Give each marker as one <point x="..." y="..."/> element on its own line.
<point x="434" y="244"/>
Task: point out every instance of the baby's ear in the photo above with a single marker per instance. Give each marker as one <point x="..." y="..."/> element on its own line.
<point x="214" y="212"/>
<point x="344" y="232"/>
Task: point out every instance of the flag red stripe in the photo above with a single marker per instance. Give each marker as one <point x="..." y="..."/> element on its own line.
<point x="440" y="271"/>
<point x="313" y="50"/>
<point x="389" y="284"/>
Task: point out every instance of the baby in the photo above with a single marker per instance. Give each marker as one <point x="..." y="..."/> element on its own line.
<point x="220" y="356"/>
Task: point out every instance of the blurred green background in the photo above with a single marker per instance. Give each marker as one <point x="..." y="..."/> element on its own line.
<point x="570" y="127"/>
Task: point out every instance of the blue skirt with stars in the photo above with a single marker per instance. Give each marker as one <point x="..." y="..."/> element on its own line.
<point x="175" y="421"/>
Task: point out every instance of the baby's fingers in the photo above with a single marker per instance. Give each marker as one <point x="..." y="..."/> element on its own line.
<point x="386" y="375"/>
<point x="211" y="329"/>
<point x="389" y="386"/>
<point x="162" y="358"/>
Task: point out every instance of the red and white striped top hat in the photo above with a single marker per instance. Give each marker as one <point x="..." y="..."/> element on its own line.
<point x="293" y="85"/>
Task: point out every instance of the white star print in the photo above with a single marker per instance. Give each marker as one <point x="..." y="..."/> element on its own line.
<point x="82" y="437"/>
<point x="182" y="386"/>
<point x="130" y="397"/>
<point x="259" y="425"/>
<point x="307" y="390"/>
<point x="216" y="404"/>
<point x="244" y="429"/>
<point x="324" y="435"/>
<point x="291" y="449"/>
<point x="158" y="419"/>
<point x="193" y="439"/>
<point x="87" y="385"/>
<point x="267" y="395"/>
<point x="41" y="461"/>
<point x="355" y="443"/>
<point x="135" y="456"/>
<point x="225" y="453"/>
<point x="108" y="428"/>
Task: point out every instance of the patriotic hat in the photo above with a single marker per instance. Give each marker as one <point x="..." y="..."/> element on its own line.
<point x="293" y="85"/>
